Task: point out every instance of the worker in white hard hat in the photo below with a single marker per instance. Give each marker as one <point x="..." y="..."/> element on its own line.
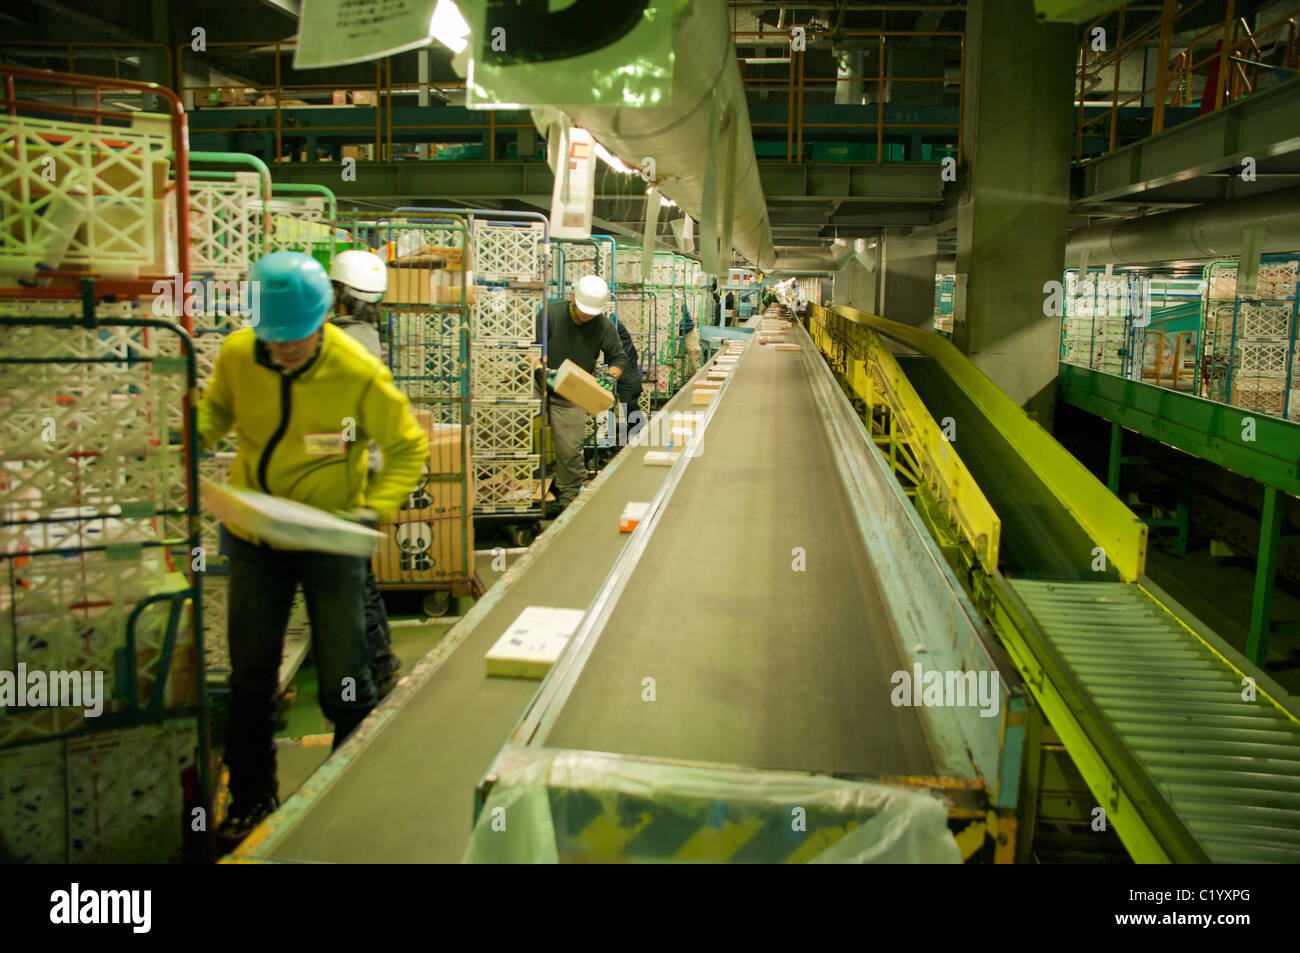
<point x="360" y="279"/>
<point x="577" y="330"/>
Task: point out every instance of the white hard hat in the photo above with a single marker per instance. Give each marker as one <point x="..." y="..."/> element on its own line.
<point x="591" y="294"/>
<point x="363" y="272"/>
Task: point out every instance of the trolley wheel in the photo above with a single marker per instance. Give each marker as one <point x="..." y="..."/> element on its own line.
<point x="437" y="603"/>
<point x="523" y="535"/>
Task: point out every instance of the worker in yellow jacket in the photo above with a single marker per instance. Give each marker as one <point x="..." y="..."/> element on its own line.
<point x="305" y="400"/>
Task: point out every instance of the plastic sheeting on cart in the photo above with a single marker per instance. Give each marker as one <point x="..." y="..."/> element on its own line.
<point x="548" y="806"/>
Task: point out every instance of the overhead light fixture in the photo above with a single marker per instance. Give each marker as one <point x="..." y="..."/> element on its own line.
<point x="118" y="102"/>
<point x="764" y="60"/>
<point x="666" y="202"/>
<point x="614" y="162"/>
<point x="448" y="26"/>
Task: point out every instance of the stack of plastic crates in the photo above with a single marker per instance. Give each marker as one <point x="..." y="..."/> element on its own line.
<point x="1248" y="341"/>
<point x="96" y="484"/>
<point x="510" y="273"/>
<point x="636" y="312"/>
<point x="1098" y="330"/>
<point x="668" y="289"/>
<point x="943" y="304"/>
<point x="429" y="545"/>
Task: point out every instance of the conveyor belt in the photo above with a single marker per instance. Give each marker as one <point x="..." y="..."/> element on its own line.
<point x="755" y="663"/>
<point x="406" y="794"/>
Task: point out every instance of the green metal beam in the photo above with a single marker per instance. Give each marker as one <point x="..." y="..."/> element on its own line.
<point x="1263" y="125"/>
<point x="1205" y="429"/>
<point x="1261" y="608"/>
<point x="888" y="182"/>
<point x="894" y="182"/>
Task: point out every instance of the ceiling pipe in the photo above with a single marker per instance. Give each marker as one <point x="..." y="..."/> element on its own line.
<point x="830" y="259"/>
<point x="677" y="135"/>
<point x="1213" y="230"/>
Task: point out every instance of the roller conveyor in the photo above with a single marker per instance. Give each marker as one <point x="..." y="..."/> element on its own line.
<point x="1193" y="751"/>
<point x="1229" y="765"/>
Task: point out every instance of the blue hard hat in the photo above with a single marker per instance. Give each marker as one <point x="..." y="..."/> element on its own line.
<point x="293" y="295"/>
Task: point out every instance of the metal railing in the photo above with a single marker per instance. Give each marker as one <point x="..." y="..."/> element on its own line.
<point x="1232" y="66"/>
<point x="74" y="57"/>
<point x="797" y="86"/>
<point x="282" y="94"/>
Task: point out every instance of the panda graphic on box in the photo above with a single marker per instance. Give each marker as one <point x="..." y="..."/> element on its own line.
<point x="420" y="498"/>
<point x="414" y="544"/>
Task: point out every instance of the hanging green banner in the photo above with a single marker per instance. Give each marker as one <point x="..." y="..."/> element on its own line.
<point x="579" y="53"/>
<point x="1073" y="11"/>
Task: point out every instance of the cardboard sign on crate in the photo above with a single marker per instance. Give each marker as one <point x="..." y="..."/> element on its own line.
<point x="432" y="538"/>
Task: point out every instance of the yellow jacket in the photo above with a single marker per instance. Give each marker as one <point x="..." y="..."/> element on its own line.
<point x="303" y="436"/>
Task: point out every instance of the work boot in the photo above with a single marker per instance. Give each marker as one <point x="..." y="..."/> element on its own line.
<point x="552" y="510"/>
<point x="242" y="821"/>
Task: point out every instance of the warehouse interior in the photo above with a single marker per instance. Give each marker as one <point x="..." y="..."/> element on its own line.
<point x="954" y="520"/>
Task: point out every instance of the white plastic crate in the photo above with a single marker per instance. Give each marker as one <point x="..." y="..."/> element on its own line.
<point x="1264" y="319"/>
<point x="226" y="235"/>
<point x="425" y="354"/>
<point x="508" y="251"/>
<point x="297" y="224"/>
<point x="503" y="429"/>
<point x="505" y="486"/>
<point x="113" y="797"/>
<point x="502" y="372"/>
<point x="505" y="316"/>
<point x="1263" y="359"/>
<point x="101" y="210"/>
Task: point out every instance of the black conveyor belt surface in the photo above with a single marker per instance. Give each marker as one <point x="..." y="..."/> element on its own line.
<point x="408" y="796"/>
<point x="754" y="663"/>
<point x="1040" y="539"/>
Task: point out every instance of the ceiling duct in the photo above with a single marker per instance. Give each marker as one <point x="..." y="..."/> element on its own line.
<point x="678" y="138"/>
<point x="1213" y="230"/>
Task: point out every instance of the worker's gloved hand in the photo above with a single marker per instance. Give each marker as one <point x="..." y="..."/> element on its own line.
<point x="606" y="383"/>
<point x="361" y="514"/>
<point x="550" y="378"/>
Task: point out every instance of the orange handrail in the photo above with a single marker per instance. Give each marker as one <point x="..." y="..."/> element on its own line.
<point x="1233" y="37"/>
<point x="796" y="82"/>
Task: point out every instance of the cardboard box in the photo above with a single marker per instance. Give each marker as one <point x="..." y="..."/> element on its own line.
<point x="450" y="295"/>
<point x="533" y="642"/>
<point x="452" y="259"/>
<point x="365" y="97"/>
<point x="702" y="395"/>
<point x="425" y="550"/>
<point x="340" y="97"/>
<point x="287" y="523"/>
<point x="409" y="285"/>
<point x="632" y="514"/>
<point x="441" y="491"/>
<point x="785" y="347"/>
<point x="661" y="458"/>
<point x="718" y="375"/>
<point x="575" y="384"/>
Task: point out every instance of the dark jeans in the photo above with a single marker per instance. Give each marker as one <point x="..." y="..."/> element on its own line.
<point x="383" y="663"/>
<point x="262" y="586"/>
